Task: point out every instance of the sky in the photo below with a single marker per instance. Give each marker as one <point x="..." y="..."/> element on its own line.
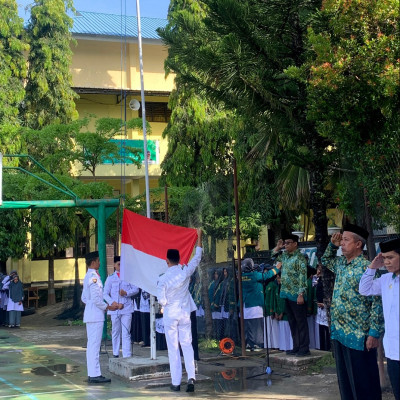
<point x="148" y="8"/>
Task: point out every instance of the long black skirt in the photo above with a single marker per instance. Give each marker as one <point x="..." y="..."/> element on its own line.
<point x="136" y="328"/>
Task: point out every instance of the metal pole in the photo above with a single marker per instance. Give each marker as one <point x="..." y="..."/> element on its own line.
<point x="235" y="190"/>
<point x="153" y="355"/>
<point x="101" y="233"/>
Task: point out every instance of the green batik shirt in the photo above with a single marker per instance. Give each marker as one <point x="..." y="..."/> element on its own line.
<point x="294" y="275"/>
<point x="353" y="317"/>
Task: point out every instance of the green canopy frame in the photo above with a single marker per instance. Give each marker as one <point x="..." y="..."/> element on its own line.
<point x="99" y="209"/>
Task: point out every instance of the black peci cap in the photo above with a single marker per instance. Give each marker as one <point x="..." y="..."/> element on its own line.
<point x="287" y="235"/>
<point x="357" y="230"/>
<point x="116" y="259"/>
<point x="390" y="245"/>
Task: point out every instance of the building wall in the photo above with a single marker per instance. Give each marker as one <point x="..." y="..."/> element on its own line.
<point x="37" y="271"/>
<point x="104" y="64"/>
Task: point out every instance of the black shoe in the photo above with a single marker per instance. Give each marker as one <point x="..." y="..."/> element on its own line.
<point x="99" y="379"/>
<point x="303" y="353"/>
<point x="115" y="356"/>
<point x="175" y="388"/>
<point x="291" y="352"/>
<point x="190" y="385"/>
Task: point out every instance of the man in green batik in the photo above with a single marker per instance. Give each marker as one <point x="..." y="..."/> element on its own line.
<point x="293" y="290"/>
<point x="356" y="320"/>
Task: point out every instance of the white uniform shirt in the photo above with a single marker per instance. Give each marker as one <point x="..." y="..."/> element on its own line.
<point x="112" y="287"/>
<point x="4" y="296"/>
<point x="388" y="287"/>
<point x="173" y="286"/>
<point x="144" y="305"/>
<point x="92" y="296"/>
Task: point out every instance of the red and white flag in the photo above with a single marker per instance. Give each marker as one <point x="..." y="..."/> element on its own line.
<point x="144" y="248"/>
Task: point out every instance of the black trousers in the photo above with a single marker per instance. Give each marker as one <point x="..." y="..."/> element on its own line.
<point x="393" y="367"/>
<point x="324" y="338"/>
<point x="253" y="331"/>
<point x="297" y="318"/>
<point x="195" y="340"/>
<point x="145" y="322"/>
<point x="136" y="328"/>
<point x="357" y="373"/>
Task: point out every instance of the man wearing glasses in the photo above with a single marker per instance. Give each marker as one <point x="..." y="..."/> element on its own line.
<point x="293" y="290"/>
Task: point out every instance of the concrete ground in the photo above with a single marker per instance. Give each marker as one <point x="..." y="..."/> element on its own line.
<point x="46" y="359"/>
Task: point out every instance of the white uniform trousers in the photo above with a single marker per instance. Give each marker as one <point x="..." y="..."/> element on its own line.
<point x="121" y="324"/>
<point x="178" y="330"/>
<point x="94" y="331"/>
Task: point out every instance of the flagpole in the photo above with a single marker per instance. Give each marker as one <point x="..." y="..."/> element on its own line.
<point x="153" y="354"/>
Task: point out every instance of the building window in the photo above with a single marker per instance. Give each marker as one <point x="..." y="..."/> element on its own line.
<point x="156" y="112"/>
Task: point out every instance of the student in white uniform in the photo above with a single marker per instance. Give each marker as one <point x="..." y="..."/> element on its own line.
<point x="120" y="292"/>
<point x="93" y="316"/>
<point x="177" y="303"/>
<point x="4" y="295"/>
<point x="388" y="287"/>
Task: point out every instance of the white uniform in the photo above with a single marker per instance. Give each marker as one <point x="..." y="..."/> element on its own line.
<point x="121" y="319"/>
<point x="93" y="317"/>
<point x="174" y="296"/>
<point x="4" y="296"/>
<point x="387" y="286"/>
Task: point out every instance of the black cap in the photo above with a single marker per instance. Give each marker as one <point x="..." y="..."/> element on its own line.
<point x="287" y="235"/>
<point x="116" y="259"/>
<point x="390" y="245"/>
<point x="173" y="255"/>
<point x="357" y="230"/>
<point x="91" y="256"/>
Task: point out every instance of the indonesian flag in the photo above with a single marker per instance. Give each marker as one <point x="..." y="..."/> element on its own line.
<point x="144" y="249"/>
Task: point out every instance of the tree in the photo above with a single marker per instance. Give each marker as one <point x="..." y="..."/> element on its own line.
<point x="53" y="145"/>
<point x="238" y="53"/>
<point x="199" y="140"/>
<point x="12" y="74"/>
<point x="49" y="95"/>
<point x="354" y="98"/>
<point x="94" y="148"/>
<point x="14" y="224"/>
<point x="54" y="230"/>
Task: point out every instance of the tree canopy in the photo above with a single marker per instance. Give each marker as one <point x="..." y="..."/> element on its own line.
<point x="13" y="71"/>
<point x="237" y="53"/>
<point x="49" y="94"/>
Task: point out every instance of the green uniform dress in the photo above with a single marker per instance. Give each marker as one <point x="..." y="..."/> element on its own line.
<point x="215" y="309"/>
<point x="227" y="303"/>
<point x="253" y="304"/>
<point x="285" y="337"/>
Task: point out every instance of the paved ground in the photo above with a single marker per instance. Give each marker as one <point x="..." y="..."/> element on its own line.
<point x="45" y="359"/>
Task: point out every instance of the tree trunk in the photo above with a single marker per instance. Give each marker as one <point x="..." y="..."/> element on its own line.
<point x="76" y="301"/>
<point x="203" y="269"/>
<point x="3" y="267"/>
<point x="368" y="224"/>
<point x="51" y="294"/>
<point x="318" y="204"/>
<point x="77" y="286"/>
